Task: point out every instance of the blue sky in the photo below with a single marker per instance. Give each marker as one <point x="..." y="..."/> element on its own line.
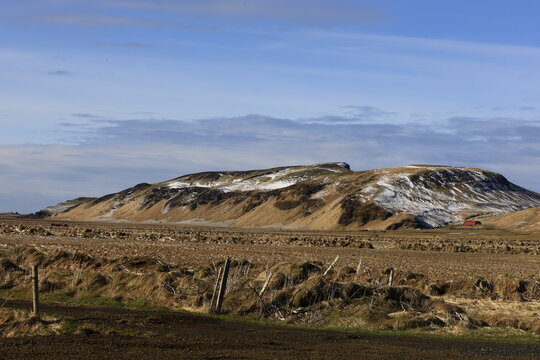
<point x="99" y="95"/>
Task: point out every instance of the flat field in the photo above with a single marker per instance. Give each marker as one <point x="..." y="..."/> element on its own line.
<point x="466" y="282"/>
<point x="461" y="252"/>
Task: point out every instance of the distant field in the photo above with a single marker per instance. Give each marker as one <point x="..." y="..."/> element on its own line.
<point x="456" y="251"/>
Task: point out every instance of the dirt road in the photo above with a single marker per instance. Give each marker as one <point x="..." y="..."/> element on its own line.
<point x="173" y="335"/>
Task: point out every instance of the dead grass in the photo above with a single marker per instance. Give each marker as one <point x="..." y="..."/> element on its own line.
<point x="300" y="294"/>
<point x="15" y="323"/>
<point x="432" y="291"/>
<point x="503" y="314"/>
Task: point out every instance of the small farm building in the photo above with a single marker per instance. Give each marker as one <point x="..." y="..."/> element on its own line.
<point x="472" y="222"/>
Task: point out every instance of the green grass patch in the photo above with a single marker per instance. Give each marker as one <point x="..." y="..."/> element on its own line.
<point x="15" y="293"/>
<point x="88" y="300"/>
<point x="491" y="334"/>
<point x="68" y="326"/>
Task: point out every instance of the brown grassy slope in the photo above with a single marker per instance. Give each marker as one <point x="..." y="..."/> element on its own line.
<point x="524" y="220"/>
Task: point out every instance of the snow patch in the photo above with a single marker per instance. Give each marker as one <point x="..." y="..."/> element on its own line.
<point x="443" y="202"/>
<point x="271" y="181"/>
<point x="59" y="208"/>
<point x="250" y="185"/>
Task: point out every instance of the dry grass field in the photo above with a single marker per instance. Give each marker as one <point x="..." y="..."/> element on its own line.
<point x="474" y="282"/>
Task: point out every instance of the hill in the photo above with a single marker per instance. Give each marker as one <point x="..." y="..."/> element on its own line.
<point x="524" y="220"/>
<point x="321" y="196"/>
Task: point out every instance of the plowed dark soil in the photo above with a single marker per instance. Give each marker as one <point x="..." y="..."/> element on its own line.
<point x="173" y="335"/>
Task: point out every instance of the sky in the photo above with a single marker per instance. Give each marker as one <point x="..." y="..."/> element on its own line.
<point x="96" y="96"/>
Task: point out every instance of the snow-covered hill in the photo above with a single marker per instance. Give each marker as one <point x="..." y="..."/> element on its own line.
<point x="321" y="196"/>
<point x="439" y="195"/>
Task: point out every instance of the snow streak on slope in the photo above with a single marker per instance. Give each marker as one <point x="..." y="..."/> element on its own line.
<point x="228" y="183"/>
<point x="438" y="196"/>
<point x="278" y="179"/>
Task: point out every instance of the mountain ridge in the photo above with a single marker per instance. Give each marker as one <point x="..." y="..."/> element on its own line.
<point x="319" y="196"/>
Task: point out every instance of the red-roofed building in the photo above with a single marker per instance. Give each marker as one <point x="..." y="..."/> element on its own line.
<point x="472" y="222"/>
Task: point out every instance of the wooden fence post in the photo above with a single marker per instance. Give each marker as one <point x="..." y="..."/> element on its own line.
<point x="391" y="277"/>
<point x="35" y="290"/>
<point x="214" y="293"/>
<point x="358" y="269"/>
<point x="266" y="282"/>
<point x="223" y="285"/>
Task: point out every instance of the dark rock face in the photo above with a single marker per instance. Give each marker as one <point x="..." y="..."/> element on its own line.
<point x="42" y="214"/>
<point x="354" y="210"/>
<point x="210" y="196"/>
<point x="163" y="193"/>
<point x="122" y="194"/>
<point x="441" y="178"/>
<point x="410" y="222"/>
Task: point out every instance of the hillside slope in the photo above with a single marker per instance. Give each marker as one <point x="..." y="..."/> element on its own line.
<point x="524" y="220"/>
<point x="321" y="196"/>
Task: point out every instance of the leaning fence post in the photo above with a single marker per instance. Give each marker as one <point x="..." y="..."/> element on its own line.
<point x="358" y="269"/>
<point x="266" y="282"/>
<point x="35" y="290"/>
<point x="223" y="285"/>
<point x="214" y="293"/>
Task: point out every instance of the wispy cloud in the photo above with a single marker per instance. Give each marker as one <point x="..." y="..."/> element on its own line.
<point x="356" y="114"/>
<point x="60" y="73"/>
<point x="85" y="19"/>
<point x="130" y="44"/>
<point x="299" y="11"/>
<point x="204" y="15"/>
<point x="368" y="112"/>
<point x="433" y="44"/>
<point x="86" y="116"/>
